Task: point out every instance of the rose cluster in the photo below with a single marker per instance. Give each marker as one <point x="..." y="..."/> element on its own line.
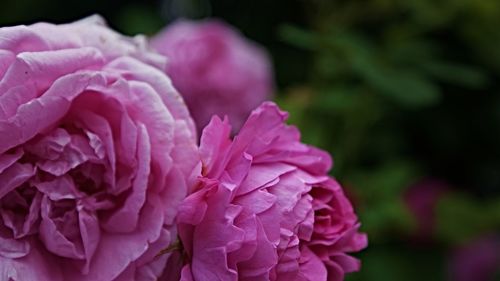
<point x="264" y="207"/>
<point x="216" y="70"/>
<point x="102" y="177"/>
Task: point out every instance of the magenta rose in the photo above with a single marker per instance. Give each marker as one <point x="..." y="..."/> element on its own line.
<point x="265" y="208"/>
<point x="422" y="200"/>
<point x="96" y="152"/>
<point x="215" y="69"/>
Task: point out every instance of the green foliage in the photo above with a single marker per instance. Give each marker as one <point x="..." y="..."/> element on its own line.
<point x="382" y="212"/>
<point x="461" y="219"/>
<point x="399" y="261"/>
<point x="400" y="91"/>
<point x="138" y="19"/>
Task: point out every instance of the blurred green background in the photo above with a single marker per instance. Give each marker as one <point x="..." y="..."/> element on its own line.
<point x="403" y="93"/>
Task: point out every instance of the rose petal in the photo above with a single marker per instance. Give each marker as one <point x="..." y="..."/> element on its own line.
<point x="260" y="175"/>
<point x="214" y="144"/>
<point x="60" y="188"/>
<point x="6" y="160"/>
<point x="263" y="259"/>
<point x="14" y="176"/>
<point x="54" y="239"/>
<point x="34" y="266"/>
<point x="19" y="39"/>
<point x="75" y="153"/>
<point x="100" y="127"/>
<point x="116" y="252"/>
<point x="311" y="266"/>
<point x="135" y="71"/>
<point x="90" y="233"/>
<point x="12" y="248"/>
<point x="43" y="68"/>
<point x="40" y="113"/>
<point x="6" y="58"/>
<point x="126" y="218"/>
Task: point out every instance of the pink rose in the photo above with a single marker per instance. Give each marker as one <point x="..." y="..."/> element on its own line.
<point x="216" y="70"/>
<point x="479" y="260"/>
<point x="96" y="151"/>
<point x="265" y="208"/>
<point x="422" y="200"/>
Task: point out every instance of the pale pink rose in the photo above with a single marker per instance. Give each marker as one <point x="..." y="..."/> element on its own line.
<point x="96" y="152"/>
<point x="265" y="208"/>
<point x="215" y="69"/>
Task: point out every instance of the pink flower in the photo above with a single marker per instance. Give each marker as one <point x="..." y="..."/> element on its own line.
<point x="422" y="200"/>
<point x="215" y="69"/>
<point x="96" y="152"/>
<point x="265" y="208"/>
<point x="477" y="261"/>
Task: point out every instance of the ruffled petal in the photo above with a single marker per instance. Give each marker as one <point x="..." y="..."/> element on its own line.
<point x="13" y="249"/>
<point x="126" y="218"/>
<point x="15" y="176"/>
<point x="34" y="266"/>
<point x="40" y="113"/>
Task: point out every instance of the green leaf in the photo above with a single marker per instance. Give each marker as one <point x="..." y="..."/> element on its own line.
<point x="405" y="87"/>
<point x="385" y="182"/>
<point x="456" y="73"/>
<point x="399" y="262"/>
<point x="338" y="99"/>
<point x="460" y="218"/>
<point x="298" y="37"/>
<point x="139" y="19"/>
<point x="381" y="191"/>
